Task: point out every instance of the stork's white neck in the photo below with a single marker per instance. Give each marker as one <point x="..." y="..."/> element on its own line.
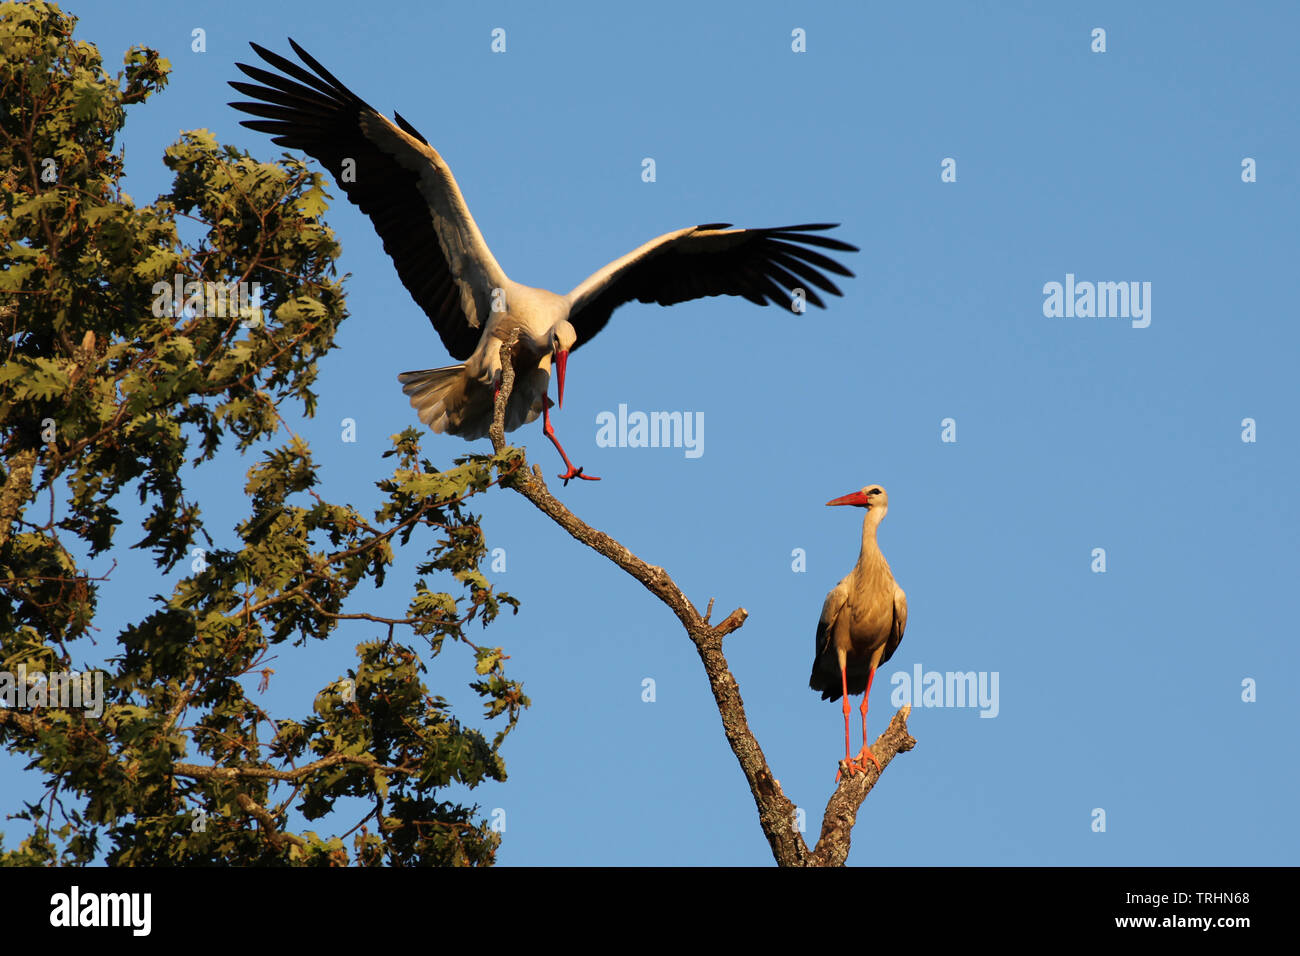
<point x="869" y="525"/>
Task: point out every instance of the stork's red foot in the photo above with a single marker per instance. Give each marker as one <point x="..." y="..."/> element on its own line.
<point x="850" y="765"/>
<point x="870" y="756"/>
<point x="550" y="433"/>
<point x="857" y="764"/>
<point x="575" y="473"/>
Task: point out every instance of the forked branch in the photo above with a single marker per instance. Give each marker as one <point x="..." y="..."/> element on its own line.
<point x="776" y="813"/>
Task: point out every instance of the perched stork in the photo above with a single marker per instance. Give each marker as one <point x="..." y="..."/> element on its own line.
<point x="861" y="625"/>
<point x="397" y="179"/>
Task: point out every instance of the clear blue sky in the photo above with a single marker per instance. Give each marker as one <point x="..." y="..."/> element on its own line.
<point x="1120" y="691"/>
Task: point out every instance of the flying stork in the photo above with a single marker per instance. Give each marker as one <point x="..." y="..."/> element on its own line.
<point x="406" y="188"/>
<point x="861" y="625"/>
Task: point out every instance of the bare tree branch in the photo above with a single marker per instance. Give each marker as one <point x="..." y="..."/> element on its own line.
<point x="776" y="813"/>
<point x="842" y="808"/>
<point x="273" y="834"/>
<point x="17" y="490"/>
<point x="202" y="772"/>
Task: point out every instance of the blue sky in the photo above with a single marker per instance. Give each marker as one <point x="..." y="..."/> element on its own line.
<point x="1119" y="690"/>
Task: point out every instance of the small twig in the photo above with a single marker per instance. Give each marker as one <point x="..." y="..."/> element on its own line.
<point x="731" y="622"/>
<point x="273" y="834"/>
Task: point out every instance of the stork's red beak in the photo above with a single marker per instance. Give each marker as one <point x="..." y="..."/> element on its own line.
<point x="857" y="498"/>
<point x="561" y="360"/>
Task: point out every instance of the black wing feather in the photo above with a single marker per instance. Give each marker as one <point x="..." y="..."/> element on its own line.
<point x="761" y="265"/>
<point x="312" y="111"/>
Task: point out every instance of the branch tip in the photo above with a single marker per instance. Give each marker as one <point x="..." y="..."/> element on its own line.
<point x="731" y="622"/>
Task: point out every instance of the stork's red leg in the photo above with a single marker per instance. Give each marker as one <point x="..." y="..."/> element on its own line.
<point x="865" y="749"/>
<point x="550" y="433"/>
<point x="848" y="757"/>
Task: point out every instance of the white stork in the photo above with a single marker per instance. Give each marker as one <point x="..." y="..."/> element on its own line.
<point x="861" y="625"/>
<point x="411" y="197"/>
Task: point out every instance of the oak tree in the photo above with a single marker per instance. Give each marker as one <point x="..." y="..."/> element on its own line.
<point x="134" y="359"/>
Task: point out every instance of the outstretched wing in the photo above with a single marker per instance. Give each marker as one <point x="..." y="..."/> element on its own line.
<point x="398" y="180"/>
<point x="762" y="265"/>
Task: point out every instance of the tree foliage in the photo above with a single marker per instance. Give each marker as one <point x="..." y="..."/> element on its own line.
<point x="132" y="361"/>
